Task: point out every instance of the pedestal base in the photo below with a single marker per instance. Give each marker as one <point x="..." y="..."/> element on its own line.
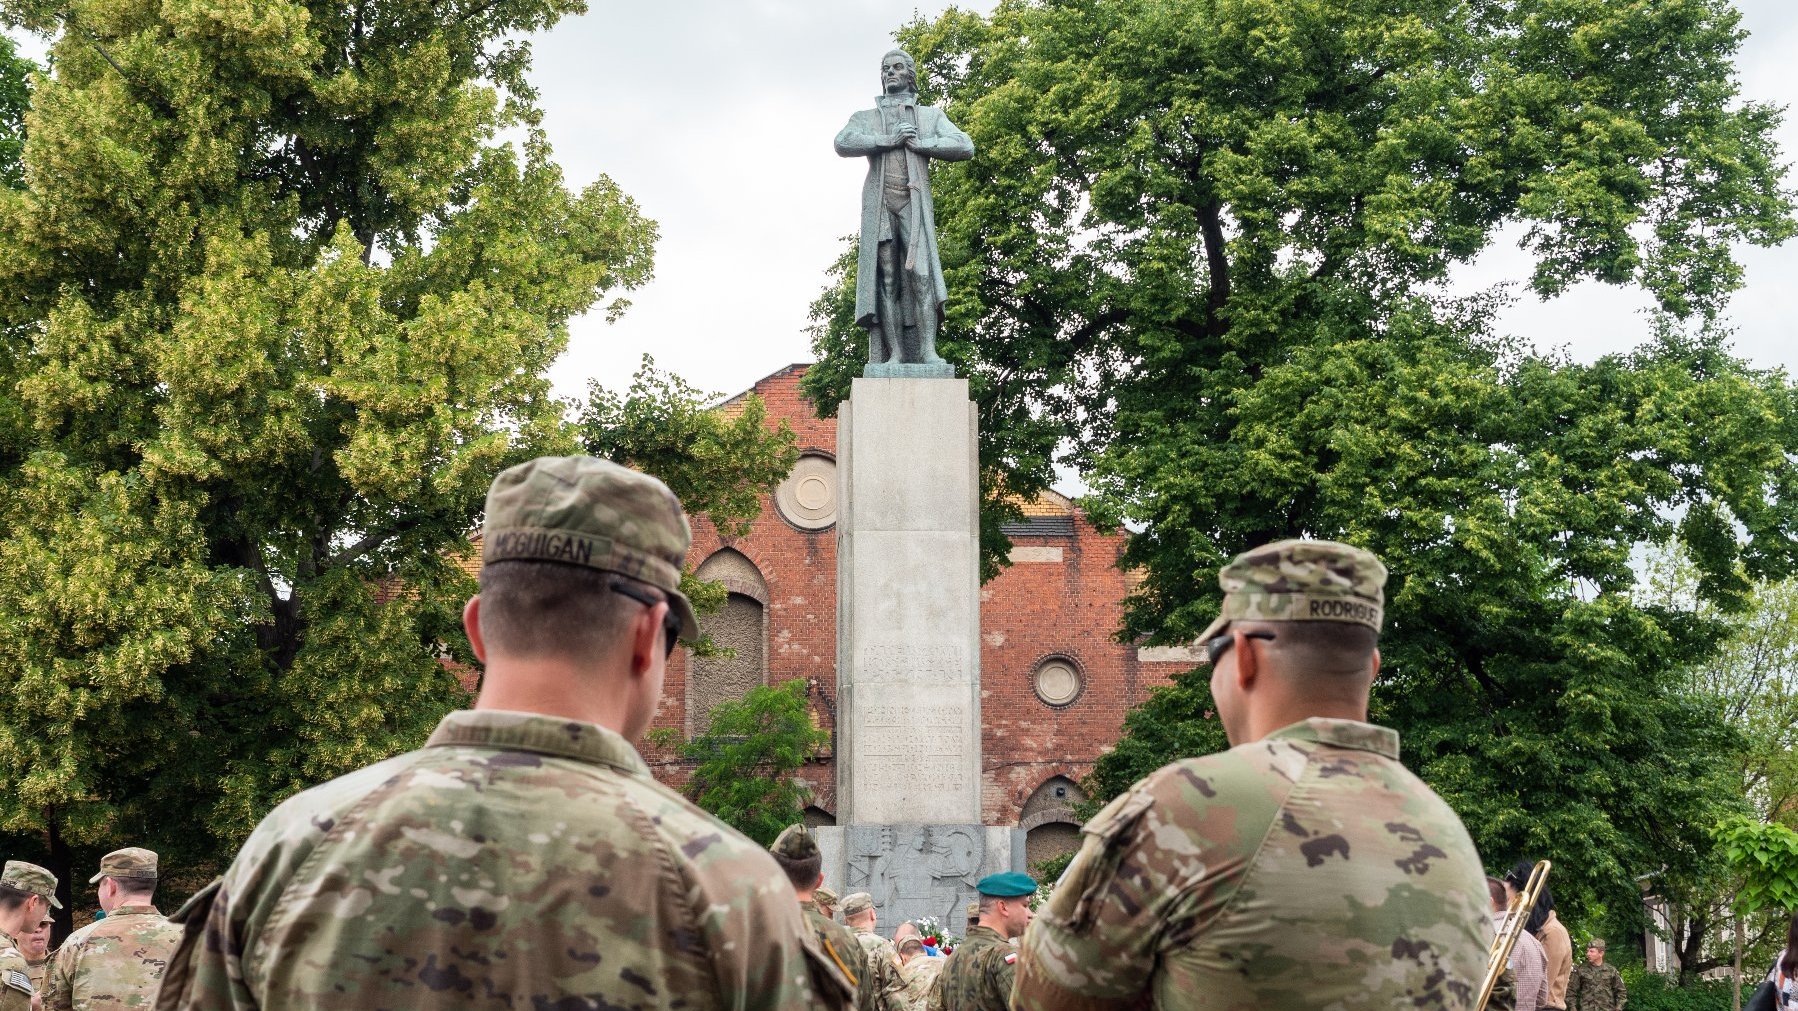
<point x="914" y="871"/>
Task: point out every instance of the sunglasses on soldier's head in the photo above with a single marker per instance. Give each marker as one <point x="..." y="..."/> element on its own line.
<point x="1217" y="644"/>
<point x="670" y="620"/>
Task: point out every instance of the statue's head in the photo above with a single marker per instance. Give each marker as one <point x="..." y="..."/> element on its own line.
<point x="898" y="72"/>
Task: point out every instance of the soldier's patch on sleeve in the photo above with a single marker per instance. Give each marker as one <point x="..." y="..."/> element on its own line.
<point x="17" y="980"/>
<point x="1093" y="869"/>
<point x="1010" y="958"/>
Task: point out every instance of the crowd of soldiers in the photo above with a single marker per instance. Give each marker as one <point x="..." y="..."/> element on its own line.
<point x="112" y="964"/>
<point x="526" y="858"/>
<point x="899" y="974"/>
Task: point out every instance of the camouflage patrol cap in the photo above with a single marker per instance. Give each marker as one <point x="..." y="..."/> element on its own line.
<point x="974" y="910"/>
<point x="1301" y="580"/>
<point x="30" y="878"/>
<point x="824" y="897"/>
<point x="133" y="863"/>
<point x="580" y="510"/>
<point x="794" y="843"/>
<point x="1596" y="942"/>
<point x="858" y="902"/>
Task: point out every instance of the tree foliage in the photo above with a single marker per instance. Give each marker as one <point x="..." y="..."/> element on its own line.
<point x="1765" y="856"/>
<point x="15" y="98"/>
<point x="279" y="301"/>
<point x="747" y="757"/>
<point x="1204" y="252"/>
<point x="718" y="461"/>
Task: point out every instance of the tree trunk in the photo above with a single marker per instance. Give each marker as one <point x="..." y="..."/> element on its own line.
<point x="1735" y="1003"/>
<point x="62" y="864"/>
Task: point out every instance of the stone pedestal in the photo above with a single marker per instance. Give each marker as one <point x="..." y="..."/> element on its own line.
<point x="908" y="605"/>
<point x="908" y="655"/>
<point x="914" y="871"/>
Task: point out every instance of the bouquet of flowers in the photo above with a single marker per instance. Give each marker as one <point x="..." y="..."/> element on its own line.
<point x="935" y="936"/>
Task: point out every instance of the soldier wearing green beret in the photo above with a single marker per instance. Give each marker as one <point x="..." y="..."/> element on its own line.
<point x="524" y="856"/>
<point x="1304" y="867"/>
<point x="978" y="975"/>
<point x="1596" y="986"/>
<point x="27" y="894"/>
<point x="116" y="963"/>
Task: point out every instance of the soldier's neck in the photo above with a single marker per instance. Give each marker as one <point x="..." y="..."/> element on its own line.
<point x="550" y="687"/>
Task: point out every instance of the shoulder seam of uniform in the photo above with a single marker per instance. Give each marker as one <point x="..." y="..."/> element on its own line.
<point x="1254" y="857"/>
<point x="250" y="958"/>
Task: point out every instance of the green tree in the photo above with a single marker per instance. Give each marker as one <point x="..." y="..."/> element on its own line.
<point x="286" y="296"/>
<point x="720" y="460"/>
<point x="1203" y="253"/>
<point x="15" y="98"/>
<point x="747" y="757"/>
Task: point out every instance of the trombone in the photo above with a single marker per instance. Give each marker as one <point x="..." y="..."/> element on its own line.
<point x="1515" y="918"/>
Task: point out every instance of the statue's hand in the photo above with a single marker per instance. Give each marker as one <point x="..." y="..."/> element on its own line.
<point x="905" y="134"/>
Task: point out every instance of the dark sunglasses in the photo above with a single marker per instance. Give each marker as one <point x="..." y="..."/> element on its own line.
<point x="1217" y="644"/>
<point x="670" y="620"/>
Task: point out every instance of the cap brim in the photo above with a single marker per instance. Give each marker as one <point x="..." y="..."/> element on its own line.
<point x="96" y="878"/>
<point x="53" y="903"/>
<point x="683" y="609"/>
<point x="1218" y="624"/>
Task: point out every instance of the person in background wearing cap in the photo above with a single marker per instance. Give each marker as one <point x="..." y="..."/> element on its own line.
<point x="977" y="975"/>
<point x="115" y="963"/>
<point x="27" y="894"/>
<point x="800" y="859"/>
<point x="883" y="988"/>
<point x="36" y="950"/>
<point x="1596" y="986"/>
<point x="524" y="857"/>
<point x="827" y="902"/>
<point x="919" y="970"/>
<point x="1304" y="867"/>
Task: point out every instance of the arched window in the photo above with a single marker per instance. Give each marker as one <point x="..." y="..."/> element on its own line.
<point x="1050" y="826"/>
<point x="741" y="627"/>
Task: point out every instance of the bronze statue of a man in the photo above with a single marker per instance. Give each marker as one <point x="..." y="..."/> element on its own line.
<point x="899" y="291"/>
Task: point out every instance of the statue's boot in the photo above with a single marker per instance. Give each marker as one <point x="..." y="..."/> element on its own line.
<point x="927" y="339"/>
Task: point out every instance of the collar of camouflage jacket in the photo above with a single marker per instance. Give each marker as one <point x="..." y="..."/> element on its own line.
<point x="138" y="909"/>
<point x="547" y="735"/>
<point x="1342" y="734"/>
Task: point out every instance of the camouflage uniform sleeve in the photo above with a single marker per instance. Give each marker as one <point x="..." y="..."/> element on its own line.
<point x="1575" y="983"/>
<point x="59" y="994"/>
<point x="1001" y="974"/>
<point x="16" y="972"/>
<point x="1622" y="992"/>
<point x="1094" y="945"/>
<point x="764" y="955"/>
<point x="892" y="987"/>
<point x="1504" y="993"/>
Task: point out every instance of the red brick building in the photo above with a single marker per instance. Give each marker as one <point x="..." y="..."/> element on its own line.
<point x="1055" y="684"/>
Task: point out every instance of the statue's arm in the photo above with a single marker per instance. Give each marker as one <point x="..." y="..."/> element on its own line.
<point x="946" y="141"/>
<point x="856" y="140"/>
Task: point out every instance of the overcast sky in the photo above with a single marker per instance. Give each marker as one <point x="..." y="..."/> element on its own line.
<point x="718" y="115"/>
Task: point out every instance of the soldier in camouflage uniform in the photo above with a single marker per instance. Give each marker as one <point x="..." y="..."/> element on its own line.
<point x="1596" y="986"/>
<point x="978" y="975"/>
<point x="920" y="971"/>
<point x="116" y="963"/>
<point x="800" y="859"/>
<point x="883" y="988"/>
<point x="827" y="902"/>
<point x="27" y="893"/>
<point x="524" y="857"/>
<point x="1303" y="868"/>
<point x="36" y="949"/>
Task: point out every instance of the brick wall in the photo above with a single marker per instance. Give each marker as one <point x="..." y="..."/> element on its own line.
<point x="1061" y="597"/>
